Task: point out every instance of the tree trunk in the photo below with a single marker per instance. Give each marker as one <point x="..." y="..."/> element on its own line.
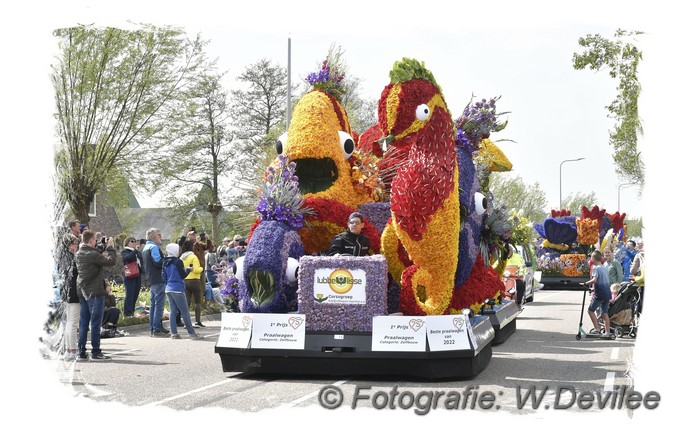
<point x="215" y="227"/>
<point x="81" y="213"/>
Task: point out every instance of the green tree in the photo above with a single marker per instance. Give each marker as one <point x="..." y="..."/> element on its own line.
<point x="634" y="227"/>
<point x="260" y="117"/>
<point x="573" y="202"/>
<point x="362" y="113"/>
<point x="111" y="89"/>
<point x="527" y="200"/>
<point x="622" y="60"/>
<point x="260" y="108"/>
<point x="191" y="167"/>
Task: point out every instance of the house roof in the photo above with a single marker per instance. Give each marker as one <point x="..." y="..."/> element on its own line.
<point x="138" y="220"/>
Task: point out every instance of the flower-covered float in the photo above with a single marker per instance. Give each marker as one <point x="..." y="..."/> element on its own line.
<point x="267" y="273"/>
<point x="566" y="241"/>
<point x="322" y="144"/>
<point x="405" y="176"/>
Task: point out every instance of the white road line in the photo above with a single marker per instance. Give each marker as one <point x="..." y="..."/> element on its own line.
<point x="188" y="393"/>
<point x="307" y="397"/>
<point x="609" y="381"/>
<point x="124" y="351"/>
<point x="615" y="353"/>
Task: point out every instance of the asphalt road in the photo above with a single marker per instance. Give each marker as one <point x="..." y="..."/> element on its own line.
<point x="543" y="353"/>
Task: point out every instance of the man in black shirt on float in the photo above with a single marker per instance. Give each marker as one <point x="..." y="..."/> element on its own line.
<point x="351" y="242"/>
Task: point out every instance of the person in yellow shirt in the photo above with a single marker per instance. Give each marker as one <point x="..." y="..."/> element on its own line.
<point x="515" y="259"/>
<point x="193" y="280"/>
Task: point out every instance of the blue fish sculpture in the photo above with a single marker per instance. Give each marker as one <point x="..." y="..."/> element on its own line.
<point x="268" y="271"/>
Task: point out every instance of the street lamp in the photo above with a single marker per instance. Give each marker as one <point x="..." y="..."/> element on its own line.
<point x="618" y="199"/>
<point x="563" y="162"/>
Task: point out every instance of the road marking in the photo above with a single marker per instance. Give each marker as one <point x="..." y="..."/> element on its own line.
<point x="609" y="381"/>
<point x="307" y="397"/>
<point x="125" y="351"/>
<point x="96" y="392"/>
<point x="190" y="392"/>
<point x="615" y="353"/>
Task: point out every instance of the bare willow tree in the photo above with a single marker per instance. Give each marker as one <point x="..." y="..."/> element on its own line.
<point x="111" y="87"/>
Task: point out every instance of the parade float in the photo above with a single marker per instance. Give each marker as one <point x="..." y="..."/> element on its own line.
<point x="566" y="242"/>
<point x="411" y="307"/>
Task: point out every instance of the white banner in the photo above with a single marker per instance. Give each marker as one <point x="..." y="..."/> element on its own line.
<point x="448" y="332"/>
<point x="339" y="286"/>
<point x="278" y="331"/>
<point x="398" y="333"/>
<point x="235" y="330"/>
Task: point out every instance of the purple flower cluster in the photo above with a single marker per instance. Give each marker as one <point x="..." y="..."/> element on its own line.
<point x="264" y="269"/>
<point x="477" y="122"/>
<point x="320" y="77"/>
<point x="280" y="199"/>
<point x="229" y="287"/>
<point x="549" y="263"/>
<point x="322" y="316"/>
<point x="471" y="222"/>
<point x="378" y="213"/>
<point x="464" y="142"/>
<point x="331" y="75"/>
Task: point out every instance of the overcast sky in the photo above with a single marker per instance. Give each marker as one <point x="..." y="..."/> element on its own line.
<point x="518" y="50"/>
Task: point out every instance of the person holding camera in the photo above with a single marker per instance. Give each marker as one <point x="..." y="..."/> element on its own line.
<point x="91" y="291"/>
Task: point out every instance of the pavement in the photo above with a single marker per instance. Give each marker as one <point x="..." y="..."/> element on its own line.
<point x="143" y="328"/>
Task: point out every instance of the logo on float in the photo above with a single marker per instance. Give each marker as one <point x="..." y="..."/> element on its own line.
<point x="341" y="281"/>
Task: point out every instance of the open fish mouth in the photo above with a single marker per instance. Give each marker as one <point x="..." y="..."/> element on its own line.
<point x="262" y="287"/>
<point x="315" y="175"/>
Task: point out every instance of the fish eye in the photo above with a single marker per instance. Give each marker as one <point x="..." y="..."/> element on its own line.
<point x="281" y="143"/>
<point x="238" y="268"/>
<point x="292" y="268"/>
<point x="346" y="143"/>
<point x="481" y="204"/>
<point x="423" y="112"/>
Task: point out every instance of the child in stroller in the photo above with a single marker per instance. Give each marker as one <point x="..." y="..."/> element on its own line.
<point x="623" y="311"/>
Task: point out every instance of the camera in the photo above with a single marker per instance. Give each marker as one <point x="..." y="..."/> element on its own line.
<point x="100" y="246"/>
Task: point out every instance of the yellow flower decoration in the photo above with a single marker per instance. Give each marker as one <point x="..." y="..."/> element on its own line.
<point x="492" y="156"/>
<point x="588" y="231"/>
<point x="314" y="134"/>
<point x="558" y="246"/>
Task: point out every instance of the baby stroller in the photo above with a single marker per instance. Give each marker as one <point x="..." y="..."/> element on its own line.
<point x="623" y="312"/>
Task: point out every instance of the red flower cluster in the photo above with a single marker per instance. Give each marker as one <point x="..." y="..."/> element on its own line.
<point x="594" y="213"/>
<point x="422" y="184"/>
<point x="617" y="221"/>
<point x="407" y="296"/>
<point x="482" y="283"/>
<point x="369" y="140"/>
<point x="556" y="214"/>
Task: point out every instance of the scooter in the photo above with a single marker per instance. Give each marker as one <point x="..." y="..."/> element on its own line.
<point x="581" y="331"/>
